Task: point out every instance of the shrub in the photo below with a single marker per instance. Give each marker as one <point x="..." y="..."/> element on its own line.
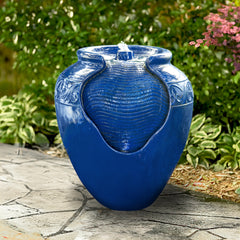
<point x="210" y="147"/>
<point x="229" y="150"/>
<point x="201" y="144"/>
<point x="223" y="31"/>
<point x="25" y="119"/>
<point x="46" y="36"/>
<point x="216" y="90"/>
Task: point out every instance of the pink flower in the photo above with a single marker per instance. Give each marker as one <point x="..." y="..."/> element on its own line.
<point x="237" y="66"/>
<point x="192" y="43"/>
<point x="199" y="41"/>
<point x="224" y="32"/>
<point x="207" y="43"/>
<point x="229" y="60"/>
<point x="237" y="38"/>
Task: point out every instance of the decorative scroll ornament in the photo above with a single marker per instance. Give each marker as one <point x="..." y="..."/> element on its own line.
<point x="181" y="93"/>
<point x="67" y="91"/>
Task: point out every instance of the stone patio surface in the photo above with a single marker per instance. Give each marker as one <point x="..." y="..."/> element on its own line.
<point x="41" y="197"/>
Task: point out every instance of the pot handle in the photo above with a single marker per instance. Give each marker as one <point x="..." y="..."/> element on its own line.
<point x="90" y="58"/>
<point x="164" y="57"/>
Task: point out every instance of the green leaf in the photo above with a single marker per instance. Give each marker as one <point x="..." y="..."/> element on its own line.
<point x="38" y="119"/>
<point x="237" y="146"/>
<point x="215" y="132"/>
<point x="27" y="134"/>
<point x="200" y="134"/>
<point x="208" y="144"/>
<point x="218" y="167"/>
<point x="234" y="165"/>
<point x="52" y="129"/>
<point x="193" y="140"/>
<point x="194" y="151"/>
<point x="197" y="122"/>
<point x="192" y="160"/>
<point x="31" y="108"/>
<point x="219" y="54"/>
<point x="227" y="139"/>
<point x="204" y="162"/>
<point x="208" y="153"/>
<point x="8" y="123"/>
<point x="237" y="157"/>
<point x="226" y="159"/>
<point x="237" y="191"/>
<point x="41" y="140"/>
<point x="8" y="120"/>
<point x="6" y="115"/>
<point x="236" y="78"/>
<point x="10" y="131"/>
<point x="6" y="102"/>
<point x="53" y="123"/>
<point x="224" y="150"/>
<point x="58" y="139"/>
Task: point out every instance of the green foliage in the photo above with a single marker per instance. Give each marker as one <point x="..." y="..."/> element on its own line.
<point x="216" y="90"/>
<point x="201" y="144"/>
<point x="47" y="36"/>
<point x="229" y="150"/>
<point x="237" y="191"/>
<point x="183" y="20"/>
<point x="25" y="119"/>
<point x="209" y="147"/>
<point x="9" y="78"/>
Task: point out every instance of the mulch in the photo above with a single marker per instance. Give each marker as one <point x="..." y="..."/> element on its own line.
<point x="222" y="184"/>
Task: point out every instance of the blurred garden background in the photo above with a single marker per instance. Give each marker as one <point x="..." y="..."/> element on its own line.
<point x="39" y="39"/>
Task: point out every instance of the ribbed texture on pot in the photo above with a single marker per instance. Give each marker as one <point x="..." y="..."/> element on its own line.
<point x="127" y="104"/>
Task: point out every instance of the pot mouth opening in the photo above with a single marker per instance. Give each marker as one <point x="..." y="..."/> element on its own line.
<point x="136" y="52"/>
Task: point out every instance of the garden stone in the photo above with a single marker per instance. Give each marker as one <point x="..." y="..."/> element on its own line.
<point x="53" y="200"/>
<point x="13" y="191"/>
<point x="15" y="210"/>
<point x="200" y="235"/>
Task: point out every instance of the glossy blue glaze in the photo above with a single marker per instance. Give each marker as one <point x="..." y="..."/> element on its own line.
<point x="124" y="119"/>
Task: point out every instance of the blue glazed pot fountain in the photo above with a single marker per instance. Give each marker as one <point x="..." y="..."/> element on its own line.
<point x="124" y="114"/>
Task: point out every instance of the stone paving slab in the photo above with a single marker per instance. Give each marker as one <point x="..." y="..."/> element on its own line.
<point x="42" y="196"/>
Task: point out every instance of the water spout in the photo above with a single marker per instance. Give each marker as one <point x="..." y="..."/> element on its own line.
<point x="124" y="53"/>
<point x="123" y="47"/>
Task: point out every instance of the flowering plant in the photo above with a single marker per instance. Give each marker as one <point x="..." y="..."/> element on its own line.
<point x="224" y="31"/>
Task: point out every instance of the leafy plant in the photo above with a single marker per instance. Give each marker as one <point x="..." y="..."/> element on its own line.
<point x="26" y="119"/>
<point x="223" y="32"/>
<point x="216" y="89"/>
<point x="201" y="144"/>
<point x="229" y="150"/>
<point x="209" y="147"/>
<point x="237" y="191"/>
<point x="46" y="37"/>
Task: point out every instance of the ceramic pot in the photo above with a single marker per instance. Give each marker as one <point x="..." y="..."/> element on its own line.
<point x="124" y="115"/>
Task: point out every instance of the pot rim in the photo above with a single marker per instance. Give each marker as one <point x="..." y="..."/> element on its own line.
<point x="109" y="52"/>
